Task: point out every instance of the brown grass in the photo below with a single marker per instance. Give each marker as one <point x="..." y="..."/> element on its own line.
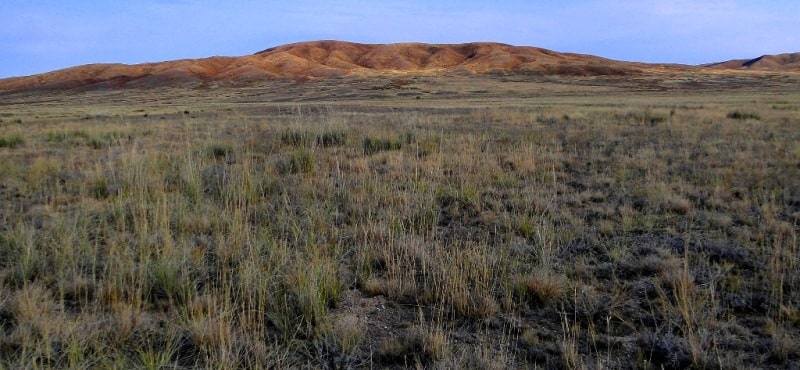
<point x="555" y="232"/>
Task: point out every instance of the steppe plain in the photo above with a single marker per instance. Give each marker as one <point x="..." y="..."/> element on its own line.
<point x="492" y="220"/>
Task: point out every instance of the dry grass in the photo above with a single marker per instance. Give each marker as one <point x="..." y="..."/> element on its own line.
<point x="574" y="233"/>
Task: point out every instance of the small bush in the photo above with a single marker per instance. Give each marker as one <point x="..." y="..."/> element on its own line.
<point x="11" y="141"/>
<point x="372" y="146"/>
<point x="742" y="115"/>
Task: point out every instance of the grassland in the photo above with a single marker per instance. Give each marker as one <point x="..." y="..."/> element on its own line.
<point x="493" y="222"/>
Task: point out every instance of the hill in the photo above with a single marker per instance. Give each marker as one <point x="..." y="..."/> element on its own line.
<point x="326" y="59"/>
<point x="321" y="59"/>
<point x="779" y="63"/>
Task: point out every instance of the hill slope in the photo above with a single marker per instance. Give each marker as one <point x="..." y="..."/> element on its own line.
<point x="321" y="59"/>
<point x="328" y="59"/>
<point x="781" y="62"/>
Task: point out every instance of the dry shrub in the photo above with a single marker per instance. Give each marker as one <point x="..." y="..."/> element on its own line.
<point x="544" y="287"/>
<point x="415" y="345"/>
<point x="678" y="204"/>
<point x="348" y="332"/>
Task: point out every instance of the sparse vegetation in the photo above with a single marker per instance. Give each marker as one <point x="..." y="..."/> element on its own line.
<point x="566" y="232"/>
<point x="96" y="139"/>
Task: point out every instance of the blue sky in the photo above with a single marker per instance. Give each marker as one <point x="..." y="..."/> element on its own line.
<point x="42" y="35"/>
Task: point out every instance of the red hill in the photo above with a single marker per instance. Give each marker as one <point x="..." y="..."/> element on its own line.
<point x="324" y="59"/>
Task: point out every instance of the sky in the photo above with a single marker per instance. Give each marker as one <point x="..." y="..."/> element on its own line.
<point x="42" y="35"/>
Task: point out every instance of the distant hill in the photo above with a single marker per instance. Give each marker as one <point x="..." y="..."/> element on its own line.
<point x="325" y="59"/>
<point x="779" y="63"/>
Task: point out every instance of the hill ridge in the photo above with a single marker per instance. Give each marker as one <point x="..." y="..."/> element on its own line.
<point x="332" y="58"/>
<point x="787" y="62"/>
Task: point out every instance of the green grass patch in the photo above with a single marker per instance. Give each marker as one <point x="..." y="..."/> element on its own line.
<point x="332" y="138"/>
<point x="743" y="115"/>
<point x="219" y="150"/>
<point x="298" y="162"/>
<point x="11" y="141"/>
<point x="304" y="139"/>
<point x="377" y="145"/>
<point x="94" y="140"/>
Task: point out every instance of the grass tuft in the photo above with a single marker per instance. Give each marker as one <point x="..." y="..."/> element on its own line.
<point x="743" y="115"/>
<point x="301" y="161"/>
<point x="11" y="141"/>
<point x="377" y="145"/>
